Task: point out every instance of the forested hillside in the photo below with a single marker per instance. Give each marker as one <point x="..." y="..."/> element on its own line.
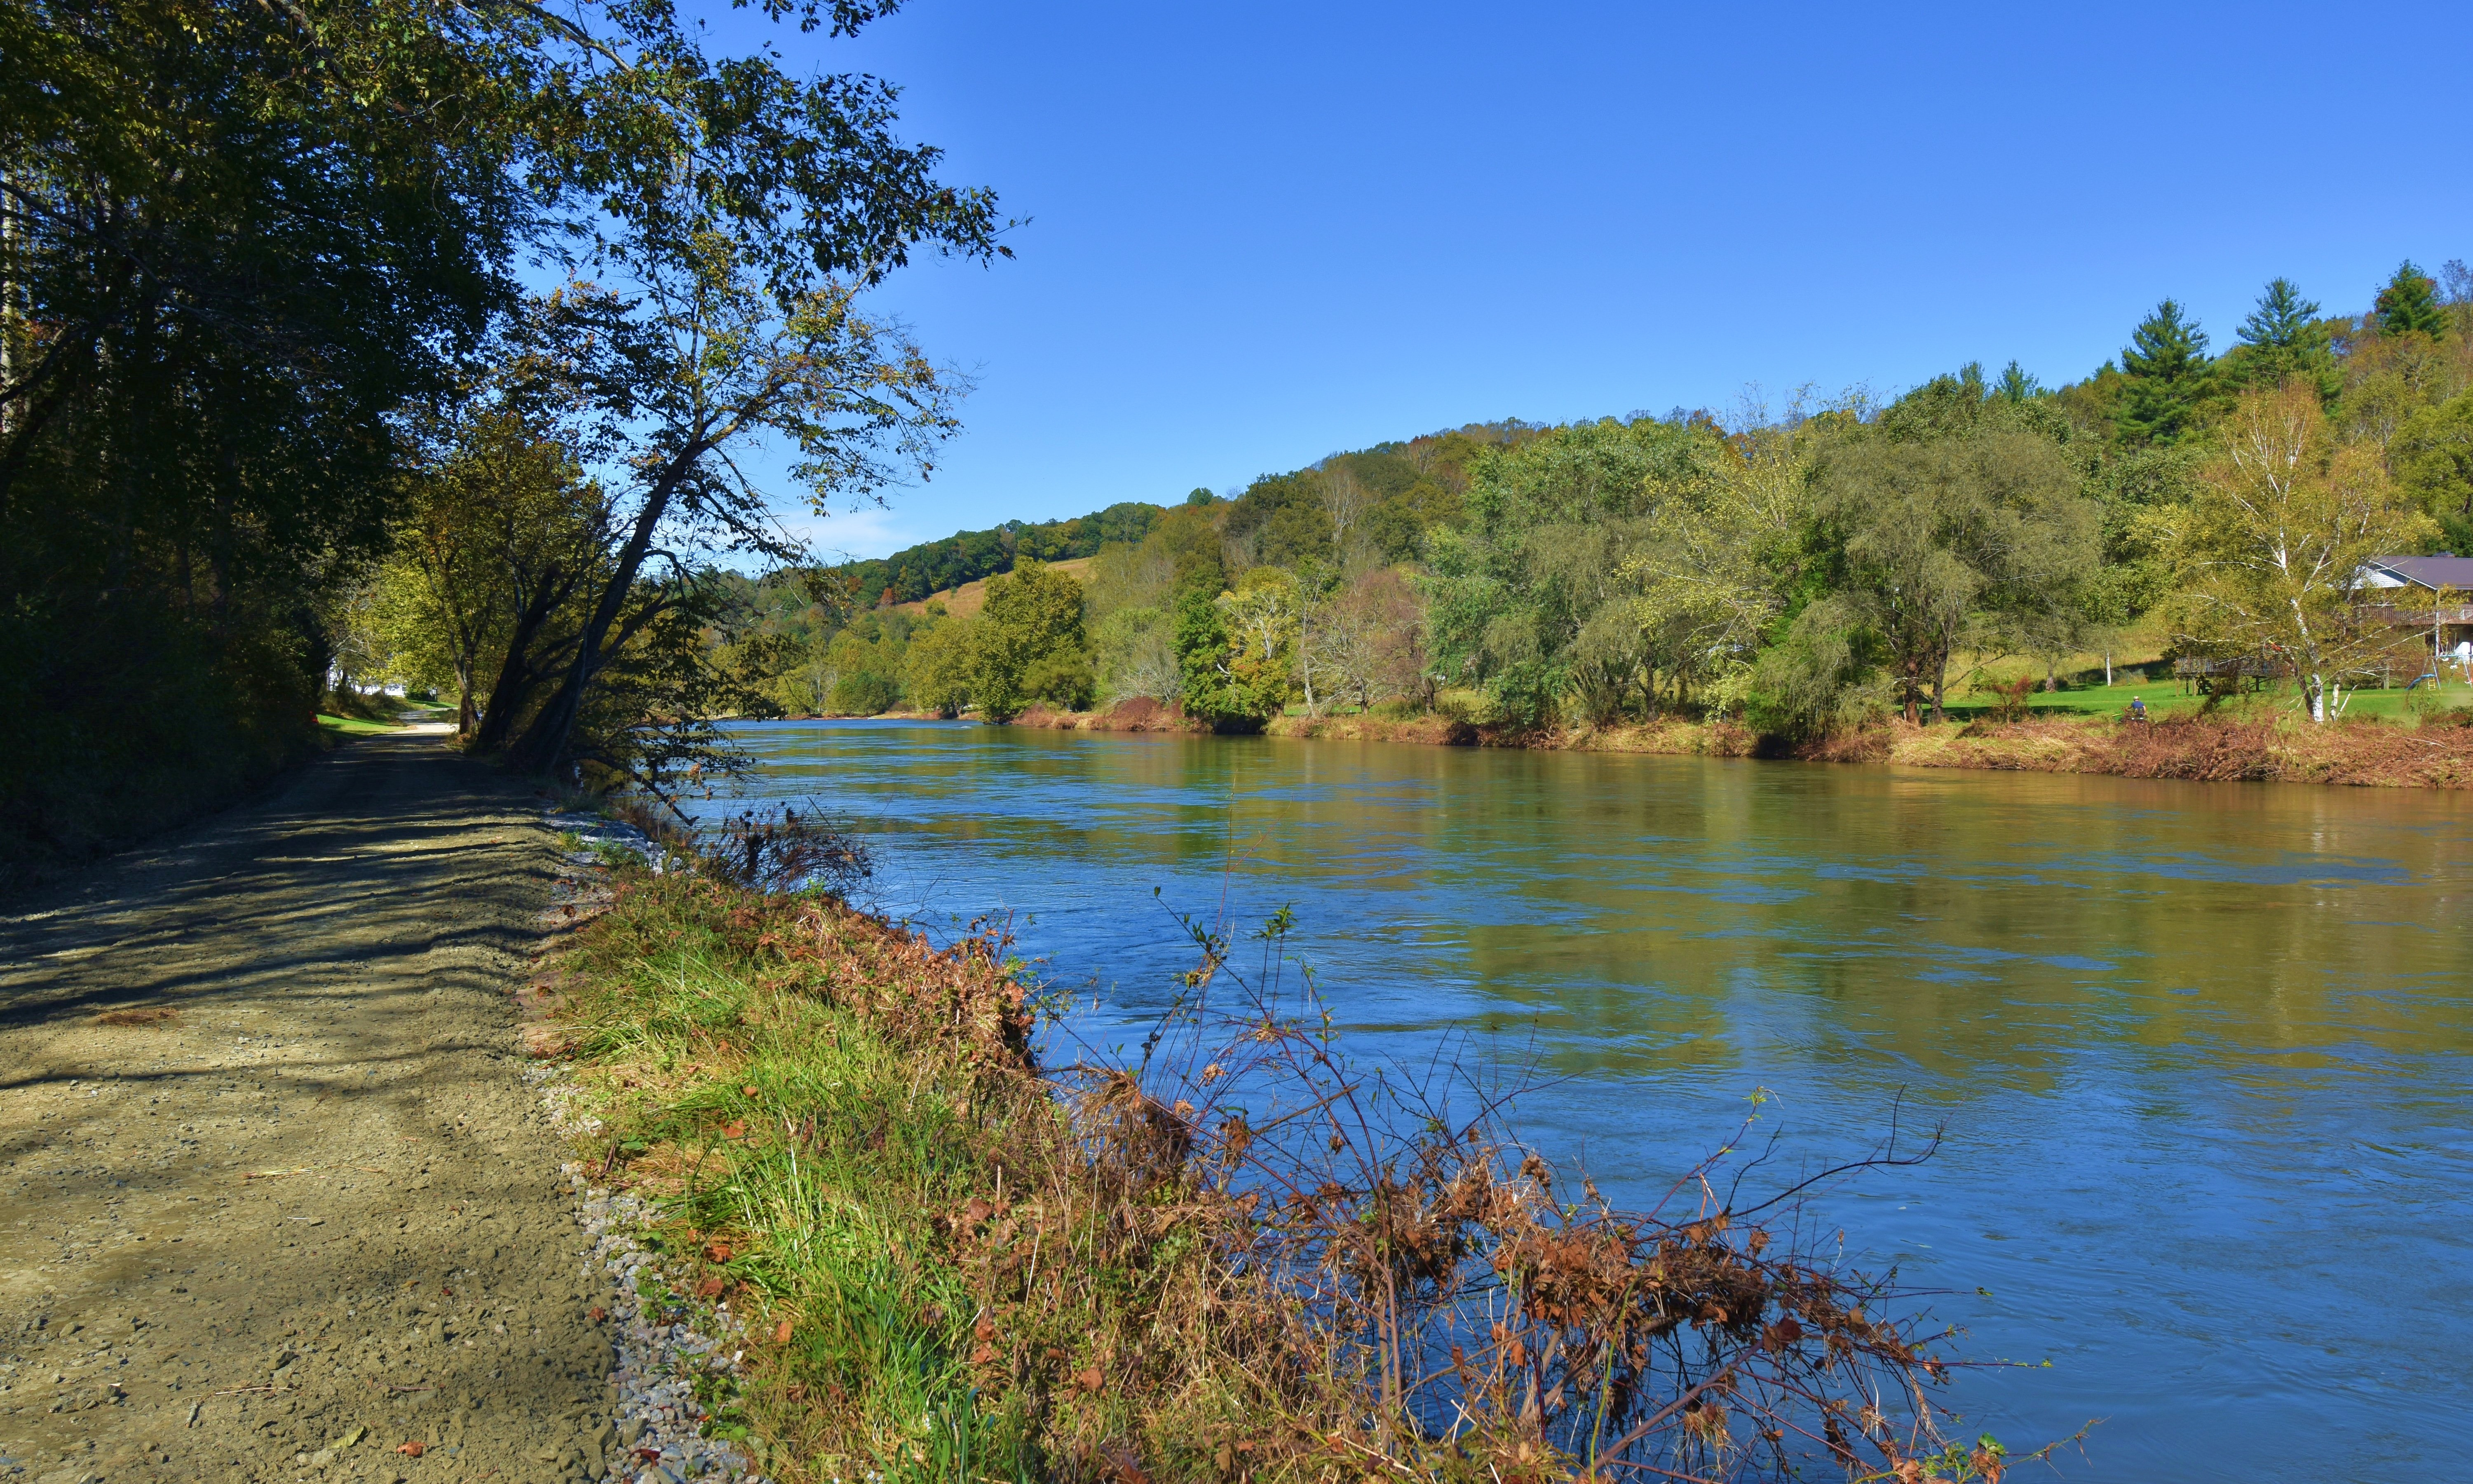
<point x="1806" y="569"/>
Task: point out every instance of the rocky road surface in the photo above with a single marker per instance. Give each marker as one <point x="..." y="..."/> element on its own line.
<point x="275" y="1200"/>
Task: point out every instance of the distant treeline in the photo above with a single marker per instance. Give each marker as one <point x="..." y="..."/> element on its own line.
<point x="1804" y="568"/>
<point x="913" y="572"/>
<point x="1406" y="486"/>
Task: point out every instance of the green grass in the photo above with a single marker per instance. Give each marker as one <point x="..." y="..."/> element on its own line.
<point x="2164" y="698"/>
<point x="822" y="1153"/>
<point x="354" y="725"/>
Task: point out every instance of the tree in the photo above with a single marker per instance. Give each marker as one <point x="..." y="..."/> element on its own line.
<point x="1030" y="645"/>
<point x="2434" y="458"/>
<point x="1134" y="650"/>
<point x="940" y="666"/>
<point x="1281" y="519"/>
<point x="2166" y="376"/>
<point x="236" y="243"/>
<point x="2408" y="305"/>
<point x="1935" y="540"/>
<point x="1206" y="657"/>
<point x="500" y="534"/>
<point x="2016" y="385"/>
<point x="1345" y="501"/>
<point x="1372" y="636"/>
<point x="865" y="664"/>
<point x="2270" y="553"/>
<point x="1541" y="560"/>
<point x="1263" y="617"/>
<point x="1189" y="536"/>
<point x="1723" y="559"/>
<point x="2281" y="341"/>
<point x="727" y="256"/>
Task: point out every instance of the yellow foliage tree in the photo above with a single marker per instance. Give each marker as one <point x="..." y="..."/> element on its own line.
<point x="2270" y="553"/>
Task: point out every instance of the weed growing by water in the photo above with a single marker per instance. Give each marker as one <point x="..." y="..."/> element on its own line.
<point x="1243" y="1258"/>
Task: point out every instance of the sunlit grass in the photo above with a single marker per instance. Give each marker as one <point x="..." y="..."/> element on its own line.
<point x="354" y="725"/>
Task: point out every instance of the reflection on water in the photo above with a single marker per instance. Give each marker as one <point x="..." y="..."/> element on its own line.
<point x="2200" y="1048"/>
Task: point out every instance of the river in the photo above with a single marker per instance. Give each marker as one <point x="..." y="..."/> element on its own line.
<point x="2200" y="1050"/>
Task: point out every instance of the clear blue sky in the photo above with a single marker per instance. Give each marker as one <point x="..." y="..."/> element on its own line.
<point x="1259" y="234"/>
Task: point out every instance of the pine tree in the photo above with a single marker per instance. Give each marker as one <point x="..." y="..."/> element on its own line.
<point x="2282" y="321"/>
<point x="2166" y="376"/>
<point x="2016" y="385"/>
<point x="2282" y="341"/>
<point x="2410" y="303"/>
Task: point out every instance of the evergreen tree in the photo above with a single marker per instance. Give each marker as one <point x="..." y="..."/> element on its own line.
<point x="2409" y="302"/>
<point x="2166" y="376"/>
<point x="2016" y="385"/>
<point x="2283" y="341"/>
<point x="2283" y="319"/>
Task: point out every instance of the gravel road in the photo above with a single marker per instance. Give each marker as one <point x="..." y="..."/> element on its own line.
<point x="275" y="1200"/>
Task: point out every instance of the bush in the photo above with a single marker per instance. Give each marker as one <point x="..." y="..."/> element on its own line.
<point x="1526" y="694"/>
<point x="1062" y="679"/>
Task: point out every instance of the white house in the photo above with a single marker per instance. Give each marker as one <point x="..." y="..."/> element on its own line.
<point x="2427" y="593"/>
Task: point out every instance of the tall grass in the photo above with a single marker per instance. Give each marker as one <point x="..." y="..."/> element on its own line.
<point x="1244" y="1258"/>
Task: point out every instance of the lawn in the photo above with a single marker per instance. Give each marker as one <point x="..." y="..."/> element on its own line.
<point x="353" y="725"/>
<point x="2164" y="697"/>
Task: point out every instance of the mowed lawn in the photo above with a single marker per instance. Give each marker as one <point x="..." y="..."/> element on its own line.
<point x="2165" y="697"/>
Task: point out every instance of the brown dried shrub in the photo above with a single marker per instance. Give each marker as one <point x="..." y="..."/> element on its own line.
<point x="1242" y="1258"/>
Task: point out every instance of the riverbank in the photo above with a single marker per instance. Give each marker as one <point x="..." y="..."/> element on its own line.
<point x="2368" y="752"/>
<point x="954" y="1261"/>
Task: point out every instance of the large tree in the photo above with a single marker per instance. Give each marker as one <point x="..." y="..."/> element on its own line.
<point x="2434" y="458"/>
<point x="2408" y="305"/>
<point x="2283" y="339"/>
<point x="2166" y="376"/>
<point x="725" y="264"/>
<point x="236" y="242"/>
<point x="1030" y="643"/>
<point x="1533" y="594"/>
<point x="1940" y="531"/>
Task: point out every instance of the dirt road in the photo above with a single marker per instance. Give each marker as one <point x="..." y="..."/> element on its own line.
<point x="310" y="1224"/>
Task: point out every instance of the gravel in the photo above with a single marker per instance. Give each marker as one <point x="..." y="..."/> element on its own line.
<point x="310" y="1224"/>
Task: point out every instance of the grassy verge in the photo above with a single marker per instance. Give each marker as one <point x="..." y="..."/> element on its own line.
<point x="1228" y="1263"/>
<point x="354" y="725"/>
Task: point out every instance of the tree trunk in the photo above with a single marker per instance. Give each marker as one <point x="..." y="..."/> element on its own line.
<point x="516" y="672"/>
<point x="544" y="744"/>
<point x="464" y="664"/>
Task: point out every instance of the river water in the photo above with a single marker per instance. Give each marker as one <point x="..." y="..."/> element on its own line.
<point x="2200" y="1050"/>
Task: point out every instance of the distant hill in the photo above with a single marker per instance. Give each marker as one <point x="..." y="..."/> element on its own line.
<point x="966" y="600"/>
<point x="966" y="556"/>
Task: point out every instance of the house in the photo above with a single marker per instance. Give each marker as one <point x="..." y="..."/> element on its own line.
<point x="2427" y="594"/>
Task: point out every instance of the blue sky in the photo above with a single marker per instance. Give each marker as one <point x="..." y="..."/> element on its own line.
<point x="1261" y="234"/>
